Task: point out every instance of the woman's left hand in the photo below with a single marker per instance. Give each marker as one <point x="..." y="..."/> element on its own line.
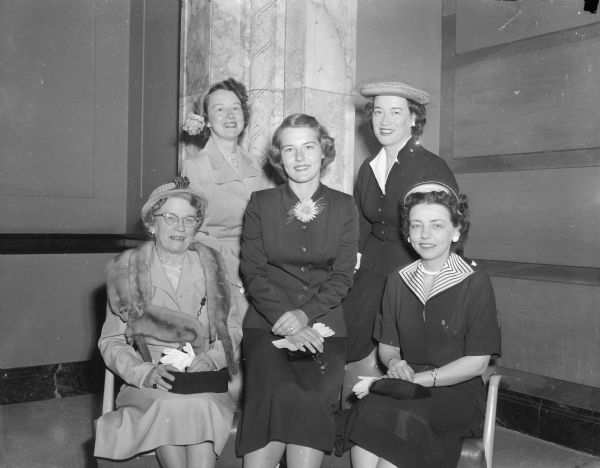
<point x="290" y="323"/>
<point x="307" y="339"/>
<point x="202" y="363"/>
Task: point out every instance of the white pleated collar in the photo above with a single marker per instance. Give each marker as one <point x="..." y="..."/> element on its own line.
<point x="454" y="271"/>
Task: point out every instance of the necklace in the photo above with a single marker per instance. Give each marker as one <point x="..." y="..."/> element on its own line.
<point x="427" y="272"/>
<point x="166" y="261"/>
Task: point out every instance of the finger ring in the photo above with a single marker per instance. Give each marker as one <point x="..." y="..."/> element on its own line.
<point x="153" y="385"/>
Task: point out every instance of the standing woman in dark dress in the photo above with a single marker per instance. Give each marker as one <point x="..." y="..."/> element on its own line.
<point x="397" y="114"/>
<point x="438" y="329"/>
<point x="298" y="254"/>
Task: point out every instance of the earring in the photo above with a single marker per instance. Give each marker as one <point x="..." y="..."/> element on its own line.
<point x="456" y="237"/>
<point x="408" y="240"/>
<point x="151" y="230"/>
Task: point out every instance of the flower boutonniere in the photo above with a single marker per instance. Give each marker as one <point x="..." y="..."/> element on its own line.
<point x="193" y="124"/>
<point x="306" y="210"/>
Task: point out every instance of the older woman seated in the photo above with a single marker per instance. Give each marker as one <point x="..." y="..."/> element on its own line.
<point x="165" y="293"/>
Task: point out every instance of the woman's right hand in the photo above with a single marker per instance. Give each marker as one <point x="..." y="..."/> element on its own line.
<point x="159" y="377"/>
<point x="307" y="339"/>
<point x="399" y="369"/>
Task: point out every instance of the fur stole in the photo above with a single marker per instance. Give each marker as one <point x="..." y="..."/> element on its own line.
<point x="129" y="290"/>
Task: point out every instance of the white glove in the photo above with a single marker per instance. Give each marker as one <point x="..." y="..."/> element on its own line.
<point x="178" y="359"/>
<point x="361" y="388"/>
<point x="321" y="328"/>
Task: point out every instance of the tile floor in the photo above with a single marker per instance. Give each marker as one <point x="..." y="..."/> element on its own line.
<point x="59" y="434"/>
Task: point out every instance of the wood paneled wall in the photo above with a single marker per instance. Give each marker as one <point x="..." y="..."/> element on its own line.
<point x="88" y="128"/>
<point x="63" y="115"/>
<point x="520" y="127"/>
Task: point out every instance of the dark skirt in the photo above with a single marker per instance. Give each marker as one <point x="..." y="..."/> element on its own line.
<point x="291" y="401"/>
<point x="361" y="306"/>
<point x="422" y="433"/>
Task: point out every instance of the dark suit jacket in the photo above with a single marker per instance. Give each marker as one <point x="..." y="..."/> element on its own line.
<point x="381" y="243"/>
<point x="287" y="264"/>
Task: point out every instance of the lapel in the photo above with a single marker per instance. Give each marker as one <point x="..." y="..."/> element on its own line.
<point x="222" y="170"/>
<point x="290" y="198"/>
<point x="188" y="279"/>
<point x="160" y="281"/>
<point x="187" y="282"/>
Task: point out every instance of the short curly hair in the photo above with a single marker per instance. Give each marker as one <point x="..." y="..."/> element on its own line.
<point x="299" y="121"/>
<point x="416" y="109"/>
<point x="201" y="107"/>
<point x="458" y="209"/>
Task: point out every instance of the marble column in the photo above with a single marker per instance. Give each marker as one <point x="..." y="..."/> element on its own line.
<point x="293" y="55"/>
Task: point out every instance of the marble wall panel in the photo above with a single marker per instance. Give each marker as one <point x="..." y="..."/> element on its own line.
<point x="321" y="45"/>
<point x="266" y="73"/>
<point x="229" y="45"/>
<point x="330" y="45"/>
<point x="195" y="46"/>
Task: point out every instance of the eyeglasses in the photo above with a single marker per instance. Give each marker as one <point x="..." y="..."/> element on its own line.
<point x="173" y="220"/>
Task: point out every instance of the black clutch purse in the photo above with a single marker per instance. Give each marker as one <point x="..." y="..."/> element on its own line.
<point x="399" y="389"/>
<point x="299" y="355"/>
<point x="200" y="382"/>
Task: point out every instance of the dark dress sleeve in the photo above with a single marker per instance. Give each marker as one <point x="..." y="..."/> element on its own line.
<point x="261" y="292"/>
<point x="341" y="273"/>
<point x="385" y="330"/>
<point x="482" y="322"/>
<point x="365" y="225"/>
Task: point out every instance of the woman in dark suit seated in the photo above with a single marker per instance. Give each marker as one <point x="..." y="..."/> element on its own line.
<point x="165" y="292"/>
<point x="436" y="334"/>
<point x="298" y="254"/>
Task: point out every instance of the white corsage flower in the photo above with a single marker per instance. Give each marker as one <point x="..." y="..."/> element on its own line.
<point x="306" y="210"/>
<point x="193" y="124"/>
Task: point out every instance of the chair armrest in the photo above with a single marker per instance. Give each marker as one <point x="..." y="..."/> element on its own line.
<point x="108" y="396"/>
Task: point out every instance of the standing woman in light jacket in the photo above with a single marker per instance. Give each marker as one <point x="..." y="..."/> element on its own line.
<point x="223" y="172"/>
<point x="397" y="114"/>
<point x="298" y="255"/>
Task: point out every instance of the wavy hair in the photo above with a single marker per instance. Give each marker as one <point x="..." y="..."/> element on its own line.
<point x="458" y="208"/>
<point x="301" y="121"/>
<point x="201" y="107"/>
<point x="416" y="109"/>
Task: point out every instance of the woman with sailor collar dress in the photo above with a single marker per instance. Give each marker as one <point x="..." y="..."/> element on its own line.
<point x="437" y="331"/>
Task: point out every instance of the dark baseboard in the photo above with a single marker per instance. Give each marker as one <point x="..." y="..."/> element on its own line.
<point x="553" y="410"/>
<point x="19" y="244"/>
<point x="51" y="381"/>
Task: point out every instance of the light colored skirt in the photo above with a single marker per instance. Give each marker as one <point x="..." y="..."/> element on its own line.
<point x="145" y="419"/>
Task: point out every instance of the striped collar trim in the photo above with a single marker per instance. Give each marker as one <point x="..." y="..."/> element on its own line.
<point x="454" y="271"/>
